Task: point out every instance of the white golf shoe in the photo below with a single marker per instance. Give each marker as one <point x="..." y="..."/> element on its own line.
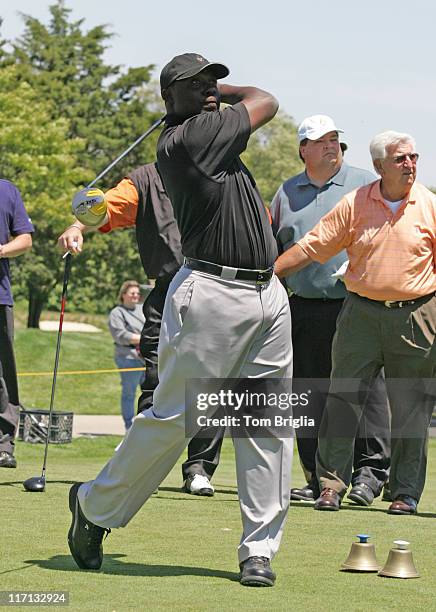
<point x="198" y="485"/>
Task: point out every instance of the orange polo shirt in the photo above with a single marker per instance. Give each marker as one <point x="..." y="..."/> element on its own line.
<point x="392" y="256"/>
<point x="122" y="206"/>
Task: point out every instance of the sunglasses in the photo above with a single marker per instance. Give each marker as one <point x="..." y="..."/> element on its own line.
<point x="400" y="159"/>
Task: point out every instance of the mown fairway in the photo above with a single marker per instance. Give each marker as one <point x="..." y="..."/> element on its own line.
<point x="179" y="552"/>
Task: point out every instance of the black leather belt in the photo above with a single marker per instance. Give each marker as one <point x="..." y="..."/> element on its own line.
<point x="397" y="303"/>
<point x="322" y="299"/>
<point x="228" y="273"/>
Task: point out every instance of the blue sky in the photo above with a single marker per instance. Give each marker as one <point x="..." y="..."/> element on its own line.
<point x="370" y="65"/>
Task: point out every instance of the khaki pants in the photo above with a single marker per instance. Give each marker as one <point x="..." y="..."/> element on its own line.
<point x="211" y="328"/>
<point x="370" y="336"/>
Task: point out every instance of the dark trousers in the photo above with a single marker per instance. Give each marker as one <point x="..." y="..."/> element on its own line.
<point x="370" y="336"/>
<point x="313" y="328"/>
<point x="204" y="449"/>
<point x="9" y="402"/>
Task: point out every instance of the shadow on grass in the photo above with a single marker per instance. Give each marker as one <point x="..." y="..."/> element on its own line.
<point x="183" y="496"/>
<point x="169" y="489"/>
<point x="301" y="504"/>
<point x="385" y="511"/>
<point x="355" y="508"/>
<point x="113" y="566"/>
<point x="48" y="482"/>
<point x="180" y="490"/>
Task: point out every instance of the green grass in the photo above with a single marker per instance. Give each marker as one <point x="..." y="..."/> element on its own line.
<point x="179" y="552"/>
<point x="94" y="393"/>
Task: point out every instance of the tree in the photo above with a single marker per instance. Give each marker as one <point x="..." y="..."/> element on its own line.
<point x="102" y="105"/>
<point x="96" y="275"/>
<point x="37" y="156"/>
<point x="5" y="55"/>
<point x="105" y="108"/>
<point x="272" y="155"/>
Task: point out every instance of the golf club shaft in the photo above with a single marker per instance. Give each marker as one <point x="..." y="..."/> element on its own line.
<point x="124" y="153"/>
<point x="58" y="346"/>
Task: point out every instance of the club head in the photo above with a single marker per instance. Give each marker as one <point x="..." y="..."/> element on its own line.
<point x="36" y="484"/>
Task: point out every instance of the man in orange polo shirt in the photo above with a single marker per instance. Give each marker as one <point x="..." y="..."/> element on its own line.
<point x="139" y="200"/>
<point x="388" y="229"/>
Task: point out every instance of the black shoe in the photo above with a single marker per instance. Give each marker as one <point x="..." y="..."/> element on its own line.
<point x="361" y="494"/>
<point x="256" y="571"/>
<point x="329" y="499"/>
<point x="7" y="460"/>
<point x="304" y="494"/>
<point x="84" y="538"/>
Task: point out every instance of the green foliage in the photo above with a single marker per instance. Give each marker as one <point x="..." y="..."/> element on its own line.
<point x="272" y="155"/>
<point x="84" y="113"/>
<point x="103" y="104"/>
<point x="37" y="155"/>
<point x="98" y="272"/>
<point x="104" y="109"/>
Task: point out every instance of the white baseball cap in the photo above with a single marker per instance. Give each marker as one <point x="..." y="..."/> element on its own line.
<point x="315" y="127"/>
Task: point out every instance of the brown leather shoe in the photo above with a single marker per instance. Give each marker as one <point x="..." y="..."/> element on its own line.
<point x="328" y="500"/>
<point x="304" y="494"/>
<point x="404" y="504"/>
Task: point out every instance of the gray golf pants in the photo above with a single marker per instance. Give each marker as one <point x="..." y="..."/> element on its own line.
<point x="211" y="328"/>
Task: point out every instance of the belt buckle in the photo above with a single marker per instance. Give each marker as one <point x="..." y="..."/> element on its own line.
<point x="228" y="273"/>
<point x="394" y="303"/>
<point x="262" y="277"/>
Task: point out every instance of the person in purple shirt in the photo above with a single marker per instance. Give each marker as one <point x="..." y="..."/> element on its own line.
<point x="15" y="239"/>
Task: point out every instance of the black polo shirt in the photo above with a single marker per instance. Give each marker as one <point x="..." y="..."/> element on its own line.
<point x="219" y="211"/>
<point x="157" y="233"/>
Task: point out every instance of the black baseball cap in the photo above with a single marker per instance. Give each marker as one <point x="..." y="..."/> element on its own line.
<point x="188" y="65"/>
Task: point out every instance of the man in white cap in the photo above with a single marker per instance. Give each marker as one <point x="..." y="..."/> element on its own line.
<point x="316" y="298"/>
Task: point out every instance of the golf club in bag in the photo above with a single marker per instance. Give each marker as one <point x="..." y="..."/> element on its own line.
<point x="37" y="483"/>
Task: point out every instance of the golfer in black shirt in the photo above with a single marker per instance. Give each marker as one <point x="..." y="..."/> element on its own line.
<point x="226" y="316"/>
